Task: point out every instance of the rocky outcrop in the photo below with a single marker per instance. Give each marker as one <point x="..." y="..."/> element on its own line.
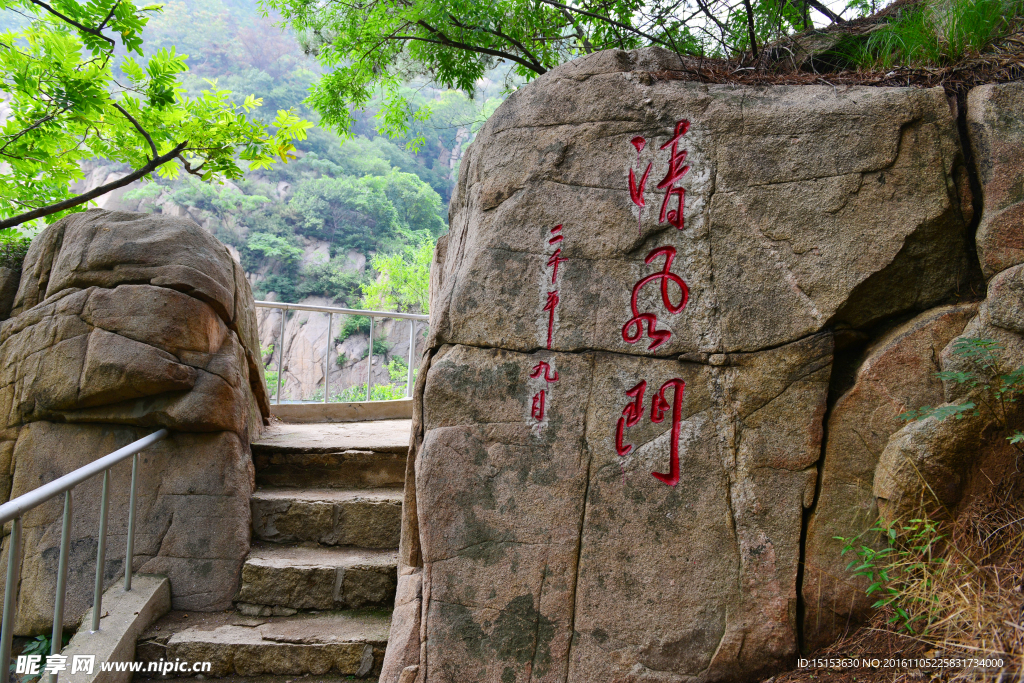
<point x="124" y="323"/>
<point x="997" y="138"/>
<point x="620" y="417"/>
<point x="898" y="374"/>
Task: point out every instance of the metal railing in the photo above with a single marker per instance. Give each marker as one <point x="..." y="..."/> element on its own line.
<point x="413" y="318"/>
<point x="15" y="509"/>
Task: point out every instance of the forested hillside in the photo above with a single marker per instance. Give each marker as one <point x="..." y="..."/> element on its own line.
<point x="312" y="226"/>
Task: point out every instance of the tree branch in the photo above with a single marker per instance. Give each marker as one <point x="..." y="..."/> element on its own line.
<point x="750" y="28"/>
<point x="833" y="17"/>
<point x="497" y="32"/>
<point x="587" y="47"/>
<point x="445" y="40"/>
<point x="113" y="9"/>
<point x="69" y="20"/>
<point x="48" y="117"/>
<point x="138" y="127"/>
<point x="609" y="20"/>
<point x="150" y="166"/>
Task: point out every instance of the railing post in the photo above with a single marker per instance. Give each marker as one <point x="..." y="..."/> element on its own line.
<point x="10" y="594"/>
<point x="129" y="550"/>
<point x="57" y="634"/>
<point x="101" y="553"/>
<point x="369" y="362"/>
<point x="412" y="346"/>
<point x="327" y="358"/>
<point x="280" y="355"/>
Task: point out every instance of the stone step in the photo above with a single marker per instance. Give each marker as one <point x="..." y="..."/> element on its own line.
<point x="336" y="455"/>
<point x="317" y="578"/>
<point x="367" y="518"/>
<point x="344" y="643"/>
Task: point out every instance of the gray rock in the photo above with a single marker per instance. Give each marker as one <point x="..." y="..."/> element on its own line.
<point x="124" y="323"/>
<point x="556" y="540"/>
<point x="997" y="139"/>
<point x="897" y="374"/>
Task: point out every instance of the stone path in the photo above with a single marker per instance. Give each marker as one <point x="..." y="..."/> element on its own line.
<point x="319" y="583"/>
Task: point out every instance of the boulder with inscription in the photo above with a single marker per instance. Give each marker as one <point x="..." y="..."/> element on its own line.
<point x="125" y="323"/>
<point x="620" y="417"/>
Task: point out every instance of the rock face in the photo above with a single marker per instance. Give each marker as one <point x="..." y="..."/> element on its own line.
<point x="621" y="413"/>
<point x="997" y="138"/>
<point x="898" y="374"/>
<point x="124" y="323"/>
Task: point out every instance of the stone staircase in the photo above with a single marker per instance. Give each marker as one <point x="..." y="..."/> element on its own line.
<point x="318" y="586"/>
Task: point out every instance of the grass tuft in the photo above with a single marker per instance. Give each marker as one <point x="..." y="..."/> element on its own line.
<point x="937" y="33"/>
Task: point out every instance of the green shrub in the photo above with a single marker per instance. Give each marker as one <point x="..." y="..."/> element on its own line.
<point x="935" y="34"/>
<point x="13" y="248"/>
<point x="354" y="324"/>
<point x="378" y="392"/>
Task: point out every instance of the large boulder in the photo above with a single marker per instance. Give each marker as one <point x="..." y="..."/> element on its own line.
<point x="897" y="374"/>
<point x="125" y="323"/>
<point x="996" y="130"/>
<point x="620" y="417"/>
<point x="930" y="461"/>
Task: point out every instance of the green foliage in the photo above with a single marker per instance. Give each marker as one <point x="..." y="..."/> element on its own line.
<point x="78" y="95"/>
<point x="404" y="280"/>
<point x="332" y="279"/>
<point x="269" y="375"/>
<point x="936" y="34"/>
<point x="40" y="645"/>
<point x="398" y="370"/>
<point x="341" y="360"/>
<point x="353" y="213"/>
<point x="993" y="388"/>
<point x="903" y="563"/>
<point x="354" y="324"/>
<point x="272" y="246"/>
<point x="381" y="347"/>
<point x="371" y="50"/>
<point x="378" y="392"/>
<point x="13" y="248"/>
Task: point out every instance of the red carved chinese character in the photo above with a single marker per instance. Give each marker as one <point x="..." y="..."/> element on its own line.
<point x="633" y="330"/>
<point x="658" y="407"/>
<point x="636" y="190"/>
<point x="537" y="411"/>
<point x="550" y="308"/>
<point x="555" y="259"/>
<point x="543" y="369"/>
<point x="630" y="416"/>
<point x="557" y="238"/>
<point x="676" y="171"/>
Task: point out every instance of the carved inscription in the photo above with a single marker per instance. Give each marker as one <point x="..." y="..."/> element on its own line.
<point x="543" y="370"/>
<point x="633" y="413"/>
<point x="670" y="284"/>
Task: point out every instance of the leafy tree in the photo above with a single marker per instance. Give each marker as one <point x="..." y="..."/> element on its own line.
<point x="404" y="281"/>
<point x="373" y="48"/>
<point x="353" y="213"/>
<point x="419" y="207"/>
<point x="73" y="99"/>
<point x="272" y="246"/>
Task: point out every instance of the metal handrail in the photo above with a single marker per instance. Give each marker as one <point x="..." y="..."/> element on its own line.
<point x="331" y="310"/>
<point x="15" y="509"/>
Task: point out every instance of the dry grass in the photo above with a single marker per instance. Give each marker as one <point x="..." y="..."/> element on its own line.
<point x="962" y="592"/>
<point x="1002" y="63"/>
